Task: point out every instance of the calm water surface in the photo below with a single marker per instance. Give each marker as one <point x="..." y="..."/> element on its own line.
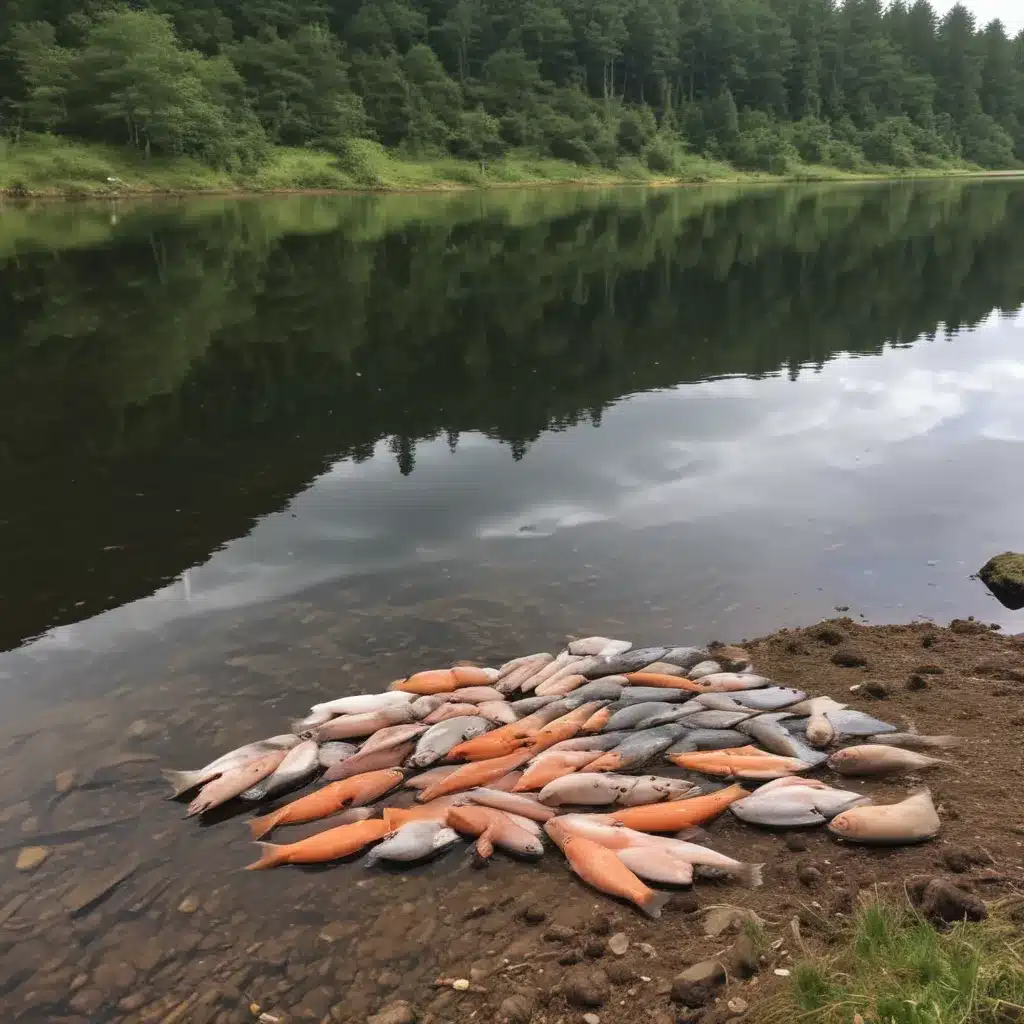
<point x="256" y="451"/>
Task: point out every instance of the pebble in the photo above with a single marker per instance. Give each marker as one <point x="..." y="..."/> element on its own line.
<point x="534" y="915"/>
<point x="916" y="682"/>
<point x="781" y="972"/>
<point x="847" y="657"/>
<point x="745" y="961"/>
<point x="620" y="973"/>
<point x="518" y="1007"/>
<point x="96" y="888"/>
<point x="189" y="905"/>
<point x="809" y="875"/>
<point x="559" y="933"/>
<point x="795" y="841"/>
<point x="601" y="924"/>
<point x="720" y="920"/>
<point x="738" y="1005"/>
<point x="30" y="824"/>
<point x="591" y="1018"/>
<point x="695" y="986"/>
<point x="398" y="1012"/>
<point x="31" y="857"/>
<point x="594" y="948"/>
<point x="619" y="943"/>
<point x="876" y="688"/>
<point x="64" y="781"/>
<point x="586" y="986"/>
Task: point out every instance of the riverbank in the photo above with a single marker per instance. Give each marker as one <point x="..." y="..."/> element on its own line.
<point x="137" y="917"/>
<point x="47" y="166"/>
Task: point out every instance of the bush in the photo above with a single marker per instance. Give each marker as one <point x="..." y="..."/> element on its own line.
<point x="845" y="156"/>
<point x="890" y="142"/>
<point x="574" y="150"/>
<point x="17" y="190"/>
<point x="636" y="128"/>
<point x="762" y="145"/>
<point x="661" y="156"/>
<point x="813" y="140"/>
<point x="986" y="143"/>
<point x="360" y="160"/>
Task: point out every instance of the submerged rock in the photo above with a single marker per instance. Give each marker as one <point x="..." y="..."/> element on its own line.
<point x="1004" y="576"/>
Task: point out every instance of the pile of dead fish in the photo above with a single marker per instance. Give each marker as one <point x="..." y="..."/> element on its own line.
<point x="508" y="755"/>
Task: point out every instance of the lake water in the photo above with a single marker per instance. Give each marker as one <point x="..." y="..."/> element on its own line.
<point x="257" y="451"/>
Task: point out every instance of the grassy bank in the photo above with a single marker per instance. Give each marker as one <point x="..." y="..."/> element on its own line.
<point x="46" y="165"/>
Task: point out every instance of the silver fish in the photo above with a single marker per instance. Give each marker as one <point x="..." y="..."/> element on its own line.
<point x="636" y="694"/>
<point x="847" y="724"/>
<point x="709" y="739"/>
<point x="392" y="736"/>
<point x="604" y="788"/>
<point x="364" y="703"/>
<point x="716" y="702"/>
<point x="717" y="719"/>
<point x="528" y="705"/>
<point x="415" y="840"/>
<point x="878" y="759"/>
<point x="640" y="747"/>
<point x="603" y="689"/>
<point x="423" y="706"/>
<point x="704" y="668"/>
<point x="629" y="716"/>
<point x="371" y="761"/>
<point x="774" y="737"/>
<point x="183" y="781"/>
<point x="795" y="806"/>
<point x="771" y="698"/>
<point x="593" y="741"/>
<point x="498" y="711"/>
<point x="685" y="657"/>
<point x="628" y="661"/>
<point x="910" y="821"/>
<point x="439" y="739"/>
<point x="335" y="751"/>
<point x="523" y="805"/>
<point x="299" y="765"/>
<point x="602" y="645"/>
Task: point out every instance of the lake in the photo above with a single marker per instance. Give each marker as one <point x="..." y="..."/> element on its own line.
<point x="256" y="452"/>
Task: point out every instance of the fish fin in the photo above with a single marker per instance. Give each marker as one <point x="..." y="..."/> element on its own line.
<point x="653" y="903"/>
<point x="270" y="856"/>
<point x="181" y="782"/>
<point x="750" y="875"/>
<point x="484" y="845"/>
<point x="259" y="827"/>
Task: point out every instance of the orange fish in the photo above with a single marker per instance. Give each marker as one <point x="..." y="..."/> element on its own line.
<point x="436" y="810"/>
<point x="665" y="682"/>
<point x="564" y="728"/>
<point x="478" y="773"/>
<point x="494" y="828"/>
<point x="352" y="792"/>
<point x="674" y="815"/>
<point x="506" y="739"/>
<point x="333" y="844"/>
<point x="597" y="721"/>
<point x="739" y="763"/>
<point x="551" y="765"/>
<point x="507" y="783"/>
<point x="602" y="869"/>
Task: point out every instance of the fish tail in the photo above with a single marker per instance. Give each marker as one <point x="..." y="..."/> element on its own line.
<point x="750" y="875"/>
<point x="653" y="902"/>
<point x="484" y="845"/>
<point x="271" y="855"/>
<point x="259" y="827"/>
<point x="181" y="782"/>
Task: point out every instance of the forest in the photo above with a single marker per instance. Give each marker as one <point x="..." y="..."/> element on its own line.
<point x="765" y="85"/>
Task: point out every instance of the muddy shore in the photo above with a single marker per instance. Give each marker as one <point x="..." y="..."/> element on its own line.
<point x="133" y="915"/>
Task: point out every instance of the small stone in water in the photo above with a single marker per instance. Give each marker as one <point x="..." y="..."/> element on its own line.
<point x="31" y="857"/>
<point x="619" y="943"/>
<point x="591" y="1018"/>
<point x="738" y="1005"/>
<point x="781" y="972"/>
<point x="64" y="781"/>
<point x="189" y="905"/>
<point x="460" y="984"/>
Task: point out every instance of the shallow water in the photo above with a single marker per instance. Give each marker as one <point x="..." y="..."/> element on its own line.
<point x="254" y="452"/>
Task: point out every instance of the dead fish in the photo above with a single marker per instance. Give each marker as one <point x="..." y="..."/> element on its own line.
<point x="494" y="828"/>
<point x="716" y="719"/>
<point x="740" y="763"/>
<point x="602" y="869"/>
<point x="523" y="804"/>
<point x="771" y="698"/>
<point x="547" y="671"/>
<point x="601" y="741"/>
<point x="333" y="844"/>
<point x="183" y="781"/>
<point x="428" y="778"/>
<point x="638" y="694"/>
<point x="421" y="707"/>
<point x="849" y="723"/>
<point x="374" y="761"/>
<point x="433" y="810"/>
<point x="298" y="766"/>
<point x="820" y="731"/>
<point x="663" y="668"/>
<point x="915" y="741"/>
<point x="476" y="774"/>
<point x="553" y="764"/>
<point x="793" y="806"/>
<point x="601" y="689"/>
<point x="416" y="840"/>
<point x="478" y="694"/>
<point x="505" y="670"/>
<point x="673" y="815"/>
<point x="392" y="736"/>
<point x="638" y="749"/>
<point x="878" y="759"/>
<point x="233" y="782"/>
<point x="708" y="739"/>
<point x="439" y="739"/>
<point x="704" y="668"/>
<point x="626" y="662"/>
<point x="768" y="731"/>
<point x="513" y="681"/>
<point x="507" y="738"/>
<point x="678" y="713"/>
<point x="346" y="727"/>
<point x="446" y="680"/>
<point x="561" y="684"/>
<point x="529" y="705"/>
<point x="717" y="702"/>
<point x="630" y="716"/>
<point x="452" y="709"/>
<point x="685" y="657"/>
<point x="728" y="681"/>
<point x="604" y="788"/>
<point x="498" y="711"/>
<point x="910" y="821"/>
<point x="602" y="645"/>
<point x="330" y="754"/>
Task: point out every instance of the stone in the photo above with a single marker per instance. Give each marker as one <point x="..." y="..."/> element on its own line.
<point x="738" y="1005"/>
<point x="315" y="1004"/>
<point x="64" y="781"/>
<point x="533" y="915"/>
<point x="795" y="841"/>
<point x="591" y="1018"/>
<point x="31" y="857"/>
<point x="570" y="956"/>
<point x="809" y="875"/>
<point x="720" y="920"/>
<point x="683" y="903"/>
<point x="968" y="626"/>
<point x="690" y="1016"/>
<point x="189" y="905"/>
<point x="930" y="670"/>
<point x="916" y="682"/>
<point x="696" y="985"/>
<point x="620" y="973"/>
<point x="875" y="688"/>
<point x="743" y="957"/>
<point x="732" y="659"/>
<point x="95" y="888"/>
<point x="559" y="933"/>
<point x="87" y="1001"/>
<point x="619" y="943"/>
<point x="1004" y="576"/>
<point x="392" y="979"/>
<point x="829" y="635"/>
<point x="517" y="1008"/>
<point x="942" y="902"/>
<point x="146" y="954"/>
<point x="114" y="975"/>
<point x="594" y="949"/>
<point x="586" y="986"/>
<point x="600" y="924"/>
<point x="30" y="824"/>
<point x="848" y="657"/>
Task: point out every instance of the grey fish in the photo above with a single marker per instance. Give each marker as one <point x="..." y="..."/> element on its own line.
<point x="602" y="645"/>
<point x="685" y="657"/>
<point x="528" y="705"/>
<point x="628" y="661"/>
<point x="183" y="781"/>
<point x="299" y="765"/>
<point x="638" y="748"/>
<point x="677" y="713"/>
<point x="635" y="694"/>
<point x="716" y="719"/>
<point x="716" y="702"/>
<point x="709" y="739"/>
<point x="439" y="739"/>
<point x="704" y="668"/>
<point x="630" y="716"/>
<point x="423" y="706"/>
<point x="847" y="724"/>
<point x="774" y="737"/>
<point x="602" y="788"/>
<point x="415" y="840"/>
<point x="374" y="760"/>
<point x="335" y="751"/>
<point x="915" y="741"/>
<point x="602" y="689"/>
<point x="795" y="806"/>
<point x="771" y="698"/>
<point x="664" y="668"/>
<point x="593" y="741"/>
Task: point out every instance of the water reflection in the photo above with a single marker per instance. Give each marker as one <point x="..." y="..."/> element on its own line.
<point x="706" y="398"/>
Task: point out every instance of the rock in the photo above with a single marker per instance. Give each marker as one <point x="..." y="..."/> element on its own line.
<point x="31" y="857"/>
<point x="594" y="949"/>
<point x="517" y="1008"/>
<point x="392" y="979"/>
<point x="620" y="973"/>
<point x="559" y="933"/>
<point x="683" y="903"/>
<point x="591" y="1018"/>
<point x="600" y="924"/>
<point x="930" y="670"/>
<point x="586" y="986"/>
<point x="809" y="875"/>
<point x="942" y="902"/>
<point x="114" y="975"/>
<point x="875" y="688"/>
<point x="720" y="920"/>
<point x="533" y="915"/>
<point x="398" y="1012"/>
<point x="743" y="957"/>
<point x="696" y="985"/>
<point x="732" y="659"/>
<point x="189" y="905"/>
<point x="64" y="781"/>
<point x="619" y="943"/>
<point x="915" y="682"/>
<point x="570" y="956"/>
<point x="928" y="640"/>
<point x="691" y="1016"/>
<point x="139" y="728"/>
<point x="1004" y="576"/>
<point x="847" y="657"/>
<point x="87" y="1001"/>
<point x="829" y="635"/>
<point x="795" y="841"/>
<point x="97" y="887"/>
<point x="967" y="627"/>
<point x="145" y="955"/>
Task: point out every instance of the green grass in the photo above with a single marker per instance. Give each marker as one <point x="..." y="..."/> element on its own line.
<point x="895" y="968"/>
<point x="50" y="165"/>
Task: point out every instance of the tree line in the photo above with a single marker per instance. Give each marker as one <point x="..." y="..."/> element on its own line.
<point x="760" y="83"/>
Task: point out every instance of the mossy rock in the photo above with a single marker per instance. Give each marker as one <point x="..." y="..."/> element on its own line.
<point x="1004" y="576"/>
